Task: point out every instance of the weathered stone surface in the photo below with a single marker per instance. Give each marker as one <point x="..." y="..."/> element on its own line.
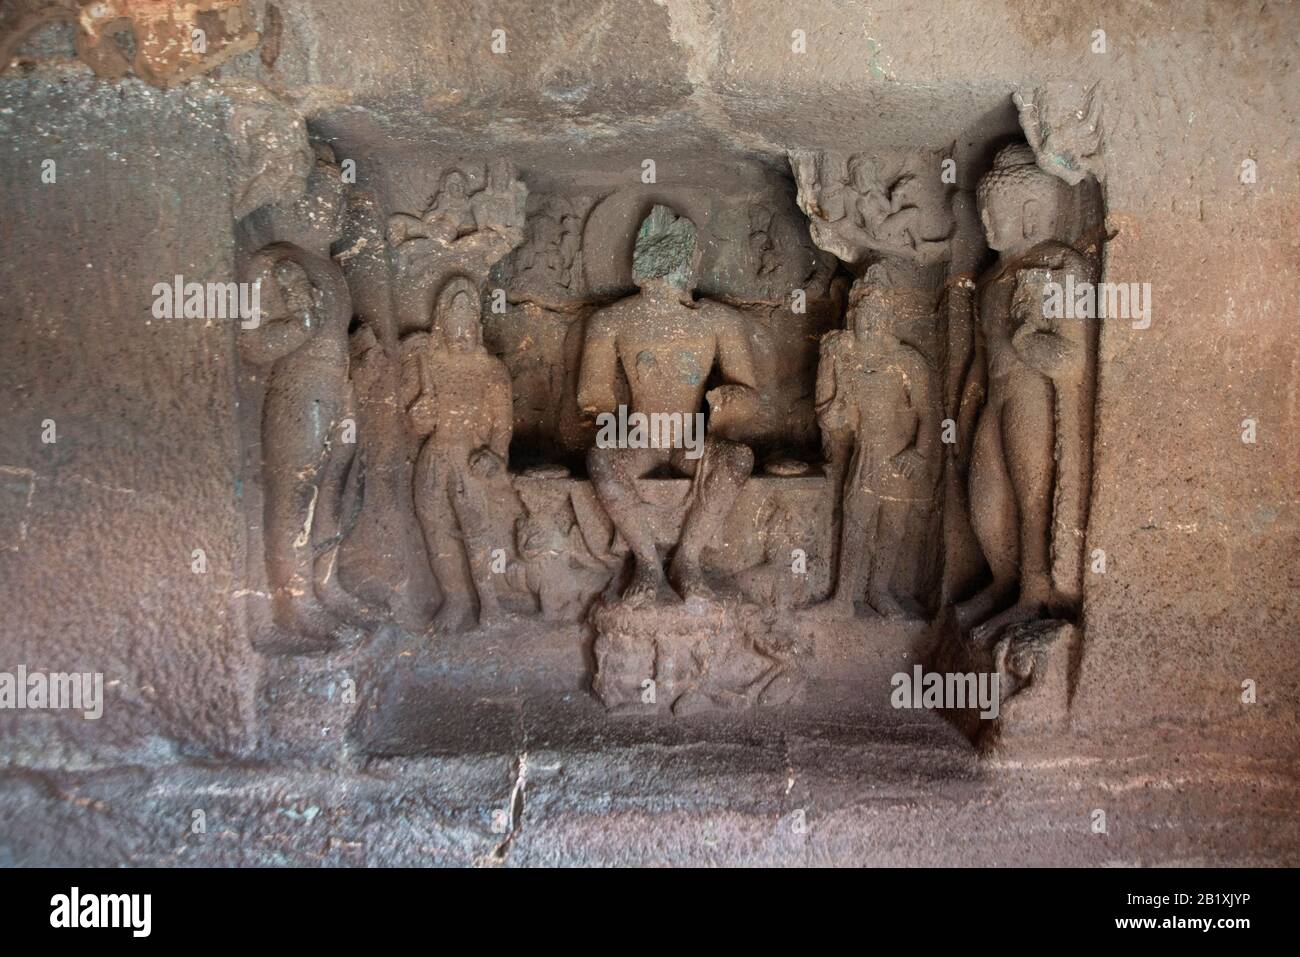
<point x="692" y="658"/>
<point x="1036" y="663"/>
<point x="171" y="42"/>
<point x="665" y="247"/>
<point x="1184" y="631"/>
<point x="867" y="799"/>
<point x="98" y="565"/>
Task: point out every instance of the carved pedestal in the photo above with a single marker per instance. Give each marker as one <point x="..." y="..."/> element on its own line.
<point x="1033" y="661"/>
<point x="689" y="657"/>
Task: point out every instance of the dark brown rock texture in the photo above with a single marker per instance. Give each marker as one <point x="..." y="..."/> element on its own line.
<point x="510" y="434"/>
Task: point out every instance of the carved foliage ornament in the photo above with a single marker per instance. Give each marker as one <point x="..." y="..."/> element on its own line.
<point x="1062" y="123"/>
<point x="862" y="205"/>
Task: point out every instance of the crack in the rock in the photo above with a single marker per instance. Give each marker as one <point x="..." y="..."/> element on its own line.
<point x="516" y="809"/>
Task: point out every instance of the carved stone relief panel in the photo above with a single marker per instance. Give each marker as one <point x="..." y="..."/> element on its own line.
<point x="840" y="439"/>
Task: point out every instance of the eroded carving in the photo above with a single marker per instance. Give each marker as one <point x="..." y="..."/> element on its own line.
<point x="172" y="42"/>
<point x="473" y="220"/>
<point x="1034" y="662"/>
<point x="862" y="205"/>
<point x="272" y="154"/>
<point x="308" y="411"/>
<point x="304" y="339"/>
<point x="1062" y="122"/>
<point x="558" y="564"/>
<point x="707" y="652"/>
<point x="665" y="346"/>
<point x="878" y="399"/>
<point x="863" y="528"/>
<point x="547" y="268"/>
<point x="1030" y="469"/>
<point x="685" y="659"/>
<point x="457" y="401"/>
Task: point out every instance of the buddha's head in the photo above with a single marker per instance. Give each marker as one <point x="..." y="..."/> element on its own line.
<point x="666" y="250"/>
<point x="1019" y="204"/>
